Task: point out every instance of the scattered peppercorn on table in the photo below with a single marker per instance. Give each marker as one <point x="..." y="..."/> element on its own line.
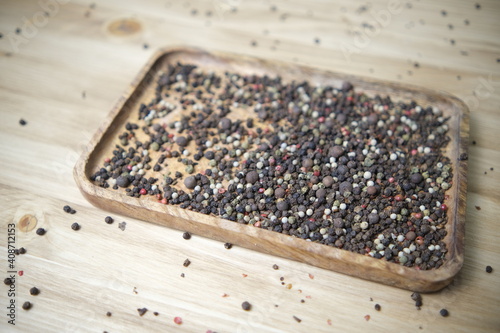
<point x="69" y="266"/>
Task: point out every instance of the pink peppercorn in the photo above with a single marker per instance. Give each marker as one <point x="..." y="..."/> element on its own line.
<point x="143" y="191"/>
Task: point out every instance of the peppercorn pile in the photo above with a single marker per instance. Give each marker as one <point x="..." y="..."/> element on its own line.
<point x="325" y="164"/>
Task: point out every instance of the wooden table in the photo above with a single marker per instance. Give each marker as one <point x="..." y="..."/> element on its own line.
<point x="63" y="72"/>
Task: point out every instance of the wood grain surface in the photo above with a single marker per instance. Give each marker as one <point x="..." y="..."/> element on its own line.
<point x="63" y="71"/>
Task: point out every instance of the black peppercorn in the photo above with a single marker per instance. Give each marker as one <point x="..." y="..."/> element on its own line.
<point x="416" y="296"/>
<point x="246" y="306"/>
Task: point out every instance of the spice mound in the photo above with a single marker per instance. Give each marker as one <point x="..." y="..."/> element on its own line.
<point x="326" y="164"/>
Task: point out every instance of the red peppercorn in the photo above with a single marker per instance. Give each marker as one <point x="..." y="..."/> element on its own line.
<point x="129" y="167"/>
<point x="164" y="201"/>
<point x="178" y="320"/>
<point x="444" y="207"/>
<point x="261" y="190"/>
<point x="316" y="173"/>
<point x="107" y="160"/>
<point x="398" y="197"/>
<point x="143" y="191"/>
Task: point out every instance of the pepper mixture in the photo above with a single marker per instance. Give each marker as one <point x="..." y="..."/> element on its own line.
<point x="327" y="164"/>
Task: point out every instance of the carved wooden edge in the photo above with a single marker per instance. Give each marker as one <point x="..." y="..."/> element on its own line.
<point x="274" y="243"/>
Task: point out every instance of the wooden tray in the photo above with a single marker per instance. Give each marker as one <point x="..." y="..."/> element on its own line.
<point x="142" y="90"/>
